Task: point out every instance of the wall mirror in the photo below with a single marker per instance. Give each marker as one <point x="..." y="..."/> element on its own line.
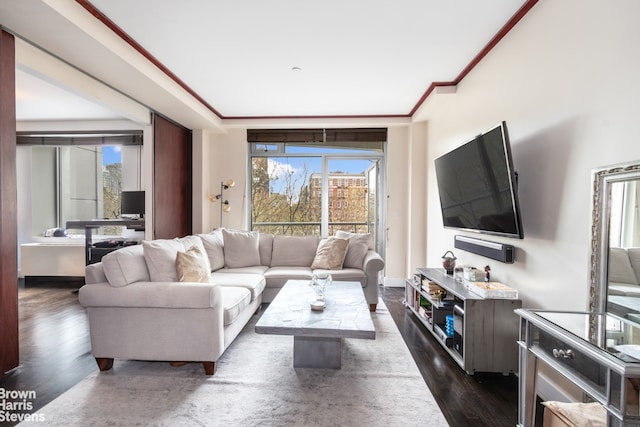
<point x="615" y="241"/>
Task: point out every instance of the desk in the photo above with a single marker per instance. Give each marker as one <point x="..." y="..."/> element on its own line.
<point x="90" y="225"/>
<point x="606" y="368"/>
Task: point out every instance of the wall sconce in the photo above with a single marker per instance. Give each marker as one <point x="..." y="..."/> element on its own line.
<point x="225" y="206"/>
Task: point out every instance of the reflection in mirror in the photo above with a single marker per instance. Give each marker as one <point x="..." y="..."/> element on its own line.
<point x="623" y="276"/>
<point x="615" y="242"/>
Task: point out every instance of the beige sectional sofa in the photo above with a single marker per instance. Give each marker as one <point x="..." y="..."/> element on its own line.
<point x="187" y="299"/>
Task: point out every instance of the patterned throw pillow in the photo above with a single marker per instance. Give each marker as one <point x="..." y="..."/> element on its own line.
<point x="330" y="253"/>
<point x="192" y="266"/>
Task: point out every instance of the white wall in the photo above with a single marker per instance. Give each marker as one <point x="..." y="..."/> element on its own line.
<point x="566" y="80"/>
<point x="221" y="156"/>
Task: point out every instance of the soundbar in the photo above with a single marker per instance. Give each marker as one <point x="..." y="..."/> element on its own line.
<point x="498" y="251"/>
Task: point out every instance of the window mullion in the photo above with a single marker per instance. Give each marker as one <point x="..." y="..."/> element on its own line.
<point x="324" y="221"/>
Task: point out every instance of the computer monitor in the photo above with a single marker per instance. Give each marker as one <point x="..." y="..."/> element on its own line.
<point x="132" y="203"/>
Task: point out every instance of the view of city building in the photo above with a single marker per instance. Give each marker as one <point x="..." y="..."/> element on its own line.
<point x="112" y="187"/>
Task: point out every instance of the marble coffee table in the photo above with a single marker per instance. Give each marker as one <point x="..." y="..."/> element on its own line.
<point x="317" y="335"/>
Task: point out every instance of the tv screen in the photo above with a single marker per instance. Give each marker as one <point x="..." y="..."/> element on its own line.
<point x="132" y="203"/>
<point x="477" y="186"/>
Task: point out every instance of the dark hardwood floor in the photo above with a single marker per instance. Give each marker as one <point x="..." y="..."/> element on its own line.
<point x="55" y="352"/>
<point x="483" y="399"/>
<point x="55" y="355"/>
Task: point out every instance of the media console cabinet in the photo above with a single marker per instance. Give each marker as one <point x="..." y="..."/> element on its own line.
<point x="485" y="330"/>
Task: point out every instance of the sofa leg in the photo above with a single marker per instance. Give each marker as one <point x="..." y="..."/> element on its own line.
<point x="104" y="363"/>
<point x="209" y="368"/>
<point x="372" y="307"/>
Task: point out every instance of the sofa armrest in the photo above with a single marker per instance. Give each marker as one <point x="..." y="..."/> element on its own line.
<point x="372" y="264"/>
<point x="152" y="295"/>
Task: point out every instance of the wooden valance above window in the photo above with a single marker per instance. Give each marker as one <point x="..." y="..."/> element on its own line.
<point x="80" y="138"/>
<point x="317" y="136"/>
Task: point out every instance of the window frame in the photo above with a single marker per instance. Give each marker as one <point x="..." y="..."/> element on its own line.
<point x="377" y="157"/>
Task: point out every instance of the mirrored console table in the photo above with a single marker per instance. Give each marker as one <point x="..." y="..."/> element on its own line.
<point x="598" y="352"/>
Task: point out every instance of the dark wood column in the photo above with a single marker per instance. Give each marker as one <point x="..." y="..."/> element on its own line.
<point x="8" y="207"/>
<point x="172" y="207"/>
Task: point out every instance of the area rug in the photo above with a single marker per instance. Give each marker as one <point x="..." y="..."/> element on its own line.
<point x="256" y="385"/>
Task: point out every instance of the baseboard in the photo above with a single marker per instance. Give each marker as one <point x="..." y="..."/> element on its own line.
<point x="393" y="282"/>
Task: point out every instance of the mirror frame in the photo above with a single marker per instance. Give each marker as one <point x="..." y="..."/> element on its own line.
<point x="602" y="179"/>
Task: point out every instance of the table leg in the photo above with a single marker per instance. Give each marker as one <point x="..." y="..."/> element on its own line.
<point x="527" y="387"/>
<point x="316" y="352"/>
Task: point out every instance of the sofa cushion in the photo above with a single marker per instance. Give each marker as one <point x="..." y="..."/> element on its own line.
<point x="125" y="266"/>
<point x="255" y="269"/>
<point x="295" y="251"/>
<point x="266" y="248"/>
<point x="330" y="253"/>
<point x="234" y="301"/>
<point x="151" y="295"/>
<point x="214" y="246"/>
<point x="620" y="269"/>
<point x="278" y="276"/>
<point x="193" y="266"/>
<point x="94" y="273"/>
<point x="356" y="252"/>
<point x="623" y="289"/>
<point x="160" y="256"/>
<point x="634" y="258"/>
<point x="255" y="283"/>
<point x="241" y="248"/>
<point x="365" y="238"/>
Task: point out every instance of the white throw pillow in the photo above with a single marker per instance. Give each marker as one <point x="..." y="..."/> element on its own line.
<point x="125" y="266"/>
<point x="355" y="255"/>
<point x="365" y="238"/>
<point x="620" y="269"/>
<point x="241" y="248"/>
<point x="330" y="253"/>
<point x="214" y="246"/>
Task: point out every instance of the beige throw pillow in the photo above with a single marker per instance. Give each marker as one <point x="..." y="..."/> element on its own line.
<point x="330" y="253"/>
<point x="192" y="266"/>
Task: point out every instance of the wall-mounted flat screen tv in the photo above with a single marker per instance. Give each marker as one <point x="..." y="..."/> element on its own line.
<point x="477" y="186"/>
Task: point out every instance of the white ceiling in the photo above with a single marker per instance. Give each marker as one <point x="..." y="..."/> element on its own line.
<point x="356" y="58"/>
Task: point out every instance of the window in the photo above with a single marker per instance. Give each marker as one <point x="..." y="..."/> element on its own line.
<point x="80" y="177"/>
<point x="316" y="187"/>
